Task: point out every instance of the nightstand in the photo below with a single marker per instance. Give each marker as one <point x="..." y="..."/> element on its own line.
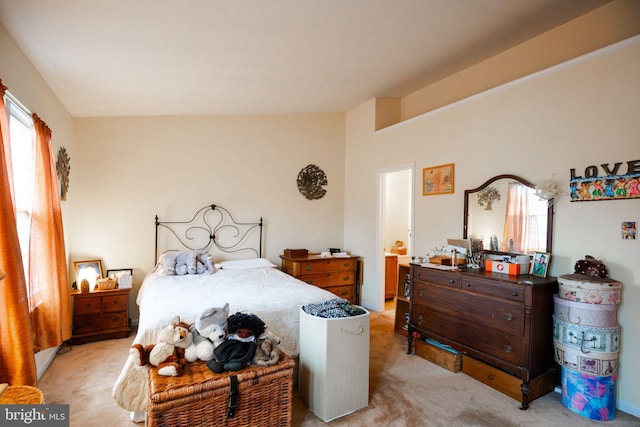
<point x="335" y="274"/>
<point x="100" y="315"/>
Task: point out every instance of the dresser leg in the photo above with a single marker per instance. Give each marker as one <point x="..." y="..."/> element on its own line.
<point x="409" y="341"/>
<point x="526" y="392"/>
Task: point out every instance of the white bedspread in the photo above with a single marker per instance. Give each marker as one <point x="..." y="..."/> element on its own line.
<point x="269" y="293"/>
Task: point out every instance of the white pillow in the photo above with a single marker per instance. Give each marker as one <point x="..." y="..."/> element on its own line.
<point x="241" y="264"/>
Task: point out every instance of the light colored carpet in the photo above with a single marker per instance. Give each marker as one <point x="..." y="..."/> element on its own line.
<point x="405" y="390"/>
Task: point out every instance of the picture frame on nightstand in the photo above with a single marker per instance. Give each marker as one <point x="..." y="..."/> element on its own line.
<point x="96" y="264"/>
<point x="124" y="277"/>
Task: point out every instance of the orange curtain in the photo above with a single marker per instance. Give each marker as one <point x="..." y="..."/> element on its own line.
<point x="49" y="283"/>
<point x="17" y="364"/>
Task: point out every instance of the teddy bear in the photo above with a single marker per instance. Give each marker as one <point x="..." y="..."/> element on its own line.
<point x="208" y="332"/>
<point x="168" y="353"/>
<point x="267" y="350"/>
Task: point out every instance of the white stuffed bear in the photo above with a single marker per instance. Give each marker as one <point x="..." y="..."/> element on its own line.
<point x="208" y="333"/>
<point x="207" y="262"/>
<point x="181" y="263"/>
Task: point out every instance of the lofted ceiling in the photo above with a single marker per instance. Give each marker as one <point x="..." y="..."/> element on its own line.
<point x="174" y="57"/>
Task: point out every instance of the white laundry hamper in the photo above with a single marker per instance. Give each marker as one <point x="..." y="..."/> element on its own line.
<point x="334" y="364"/>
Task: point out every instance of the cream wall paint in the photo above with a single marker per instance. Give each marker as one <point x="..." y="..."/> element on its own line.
<point x="130" y="169"/>
<point x="578" y="115"/>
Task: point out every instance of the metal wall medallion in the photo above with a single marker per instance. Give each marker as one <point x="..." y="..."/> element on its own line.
<point x="311" y="179"/>
<point x="62" y="169"/>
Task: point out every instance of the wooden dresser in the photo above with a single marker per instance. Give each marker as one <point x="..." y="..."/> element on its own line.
<point x="337" y="275"/>
<point x="502" y="324"/>
<point x="100" y="315"/>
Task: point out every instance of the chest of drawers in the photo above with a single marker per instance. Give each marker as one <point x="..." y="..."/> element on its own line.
<point x="100" y="315"/>
<point x="502" y="321"/>
<point x="337" y="275"/>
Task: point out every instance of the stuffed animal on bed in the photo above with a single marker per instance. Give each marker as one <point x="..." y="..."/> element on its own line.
<point x="208" y="333"/>
<point x="267" y="350"/>
<point x="168" y="353"/>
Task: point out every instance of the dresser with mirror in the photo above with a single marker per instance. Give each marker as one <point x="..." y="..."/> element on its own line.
<point x="501" y="323"/>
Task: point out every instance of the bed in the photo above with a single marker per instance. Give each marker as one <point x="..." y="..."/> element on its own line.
<point x="242" y="277"/>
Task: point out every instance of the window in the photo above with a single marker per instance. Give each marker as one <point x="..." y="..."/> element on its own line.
<point x="22" y="137"/>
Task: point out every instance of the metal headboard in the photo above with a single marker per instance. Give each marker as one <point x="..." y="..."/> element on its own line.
<point x="213" y="226"/>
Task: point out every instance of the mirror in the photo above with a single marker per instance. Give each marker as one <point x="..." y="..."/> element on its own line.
<point x="507" y="216"/>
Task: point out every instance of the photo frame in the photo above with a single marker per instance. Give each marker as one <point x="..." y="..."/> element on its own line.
<point x="119" y="272"/>
<point x="123" y="277"/>
<point x="96" y="264"/>
<point x="438" y="180"/>
<point x="540" y="264"/>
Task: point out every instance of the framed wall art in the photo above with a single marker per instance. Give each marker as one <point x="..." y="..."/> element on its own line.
<point x="438" y="180"/>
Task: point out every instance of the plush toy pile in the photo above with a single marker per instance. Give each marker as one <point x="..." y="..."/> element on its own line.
<point x="185" y="262"/>
<point x="225" y="343"/>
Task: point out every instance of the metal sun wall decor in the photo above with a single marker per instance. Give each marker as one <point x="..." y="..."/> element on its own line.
<point x="311" y="179"/>
<point x="63" y="167"/>
<point x="610" y="186"/>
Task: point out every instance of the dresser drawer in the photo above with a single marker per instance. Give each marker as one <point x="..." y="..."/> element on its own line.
<point x="436" y="276"/>
<point x="114" y="303"/>
<point x="335" y="264"/>
<point x="86" y="305"/>
<point x="345" y="292"/>
<point x="114" y="320"/>
<point x="508" y="348"/>
<point x="85" y="324"/>
<point x="330" y="278"/>
<point x="510" y="292"/>
<point x="490" y="313"/>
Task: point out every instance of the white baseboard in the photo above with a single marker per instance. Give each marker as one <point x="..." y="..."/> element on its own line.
<point x="44" y="359"/>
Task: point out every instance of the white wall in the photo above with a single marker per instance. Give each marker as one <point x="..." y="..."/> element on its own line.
<point x="580" y="115"/>
<point x="127" y="170"/>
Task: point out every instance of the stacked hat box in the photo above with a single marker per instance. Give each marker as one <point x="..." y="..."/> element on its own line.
<point x="586" y="340"/>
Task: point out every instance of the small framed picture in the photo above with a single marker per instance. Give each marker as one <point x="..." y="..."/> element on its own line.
<point x="540" y="265"/>
<point x="123" y="276"/>
<point x="438" y="180"/>
<point x="95" y="264"/>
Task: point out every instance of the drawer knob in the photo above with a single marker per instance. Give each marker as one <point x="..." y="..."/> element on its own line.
<point x="346" y="264"/>
<point x="308" y="267"/>
<point x="508" y="348"/>
<point x="452" y="281"/>
<point x="421" y="293"/>
<point x="345" y="278"/>
<point x="420" y="319"/>
<point x="418" y="274"/>
<point x="490" y="377"/>
<point x="515" y="294"/>
<point x="468" y="285"/>
<point x="509" y="316"/>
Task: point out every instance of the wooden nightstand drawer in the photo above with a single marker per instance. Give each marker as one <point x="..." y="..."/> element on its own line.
<point x="114" y="303"/>
<point x="114" y="320"/>
<point x="86" y="305"/>
<point x="85" y="324"/>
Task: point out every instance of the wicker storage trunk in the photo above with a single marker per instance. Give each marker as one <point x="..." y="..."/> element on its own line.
<point x="199" y="397"/>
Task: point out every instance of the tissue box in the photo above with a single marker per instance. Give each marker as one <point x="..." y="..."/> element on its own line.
<point x="521" y="266"/>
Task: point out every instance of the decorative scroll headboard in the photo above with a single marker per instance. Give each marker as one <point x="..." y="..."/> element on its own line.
<point x="214" y="227"/>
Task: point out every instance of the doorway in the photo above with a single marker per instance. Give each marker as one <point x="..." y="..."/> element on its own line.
<point x="395" y="223"/>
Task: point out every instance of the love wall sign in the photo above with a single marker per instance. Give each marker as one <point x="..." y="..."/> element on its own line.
<point x="607" y="182"/>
